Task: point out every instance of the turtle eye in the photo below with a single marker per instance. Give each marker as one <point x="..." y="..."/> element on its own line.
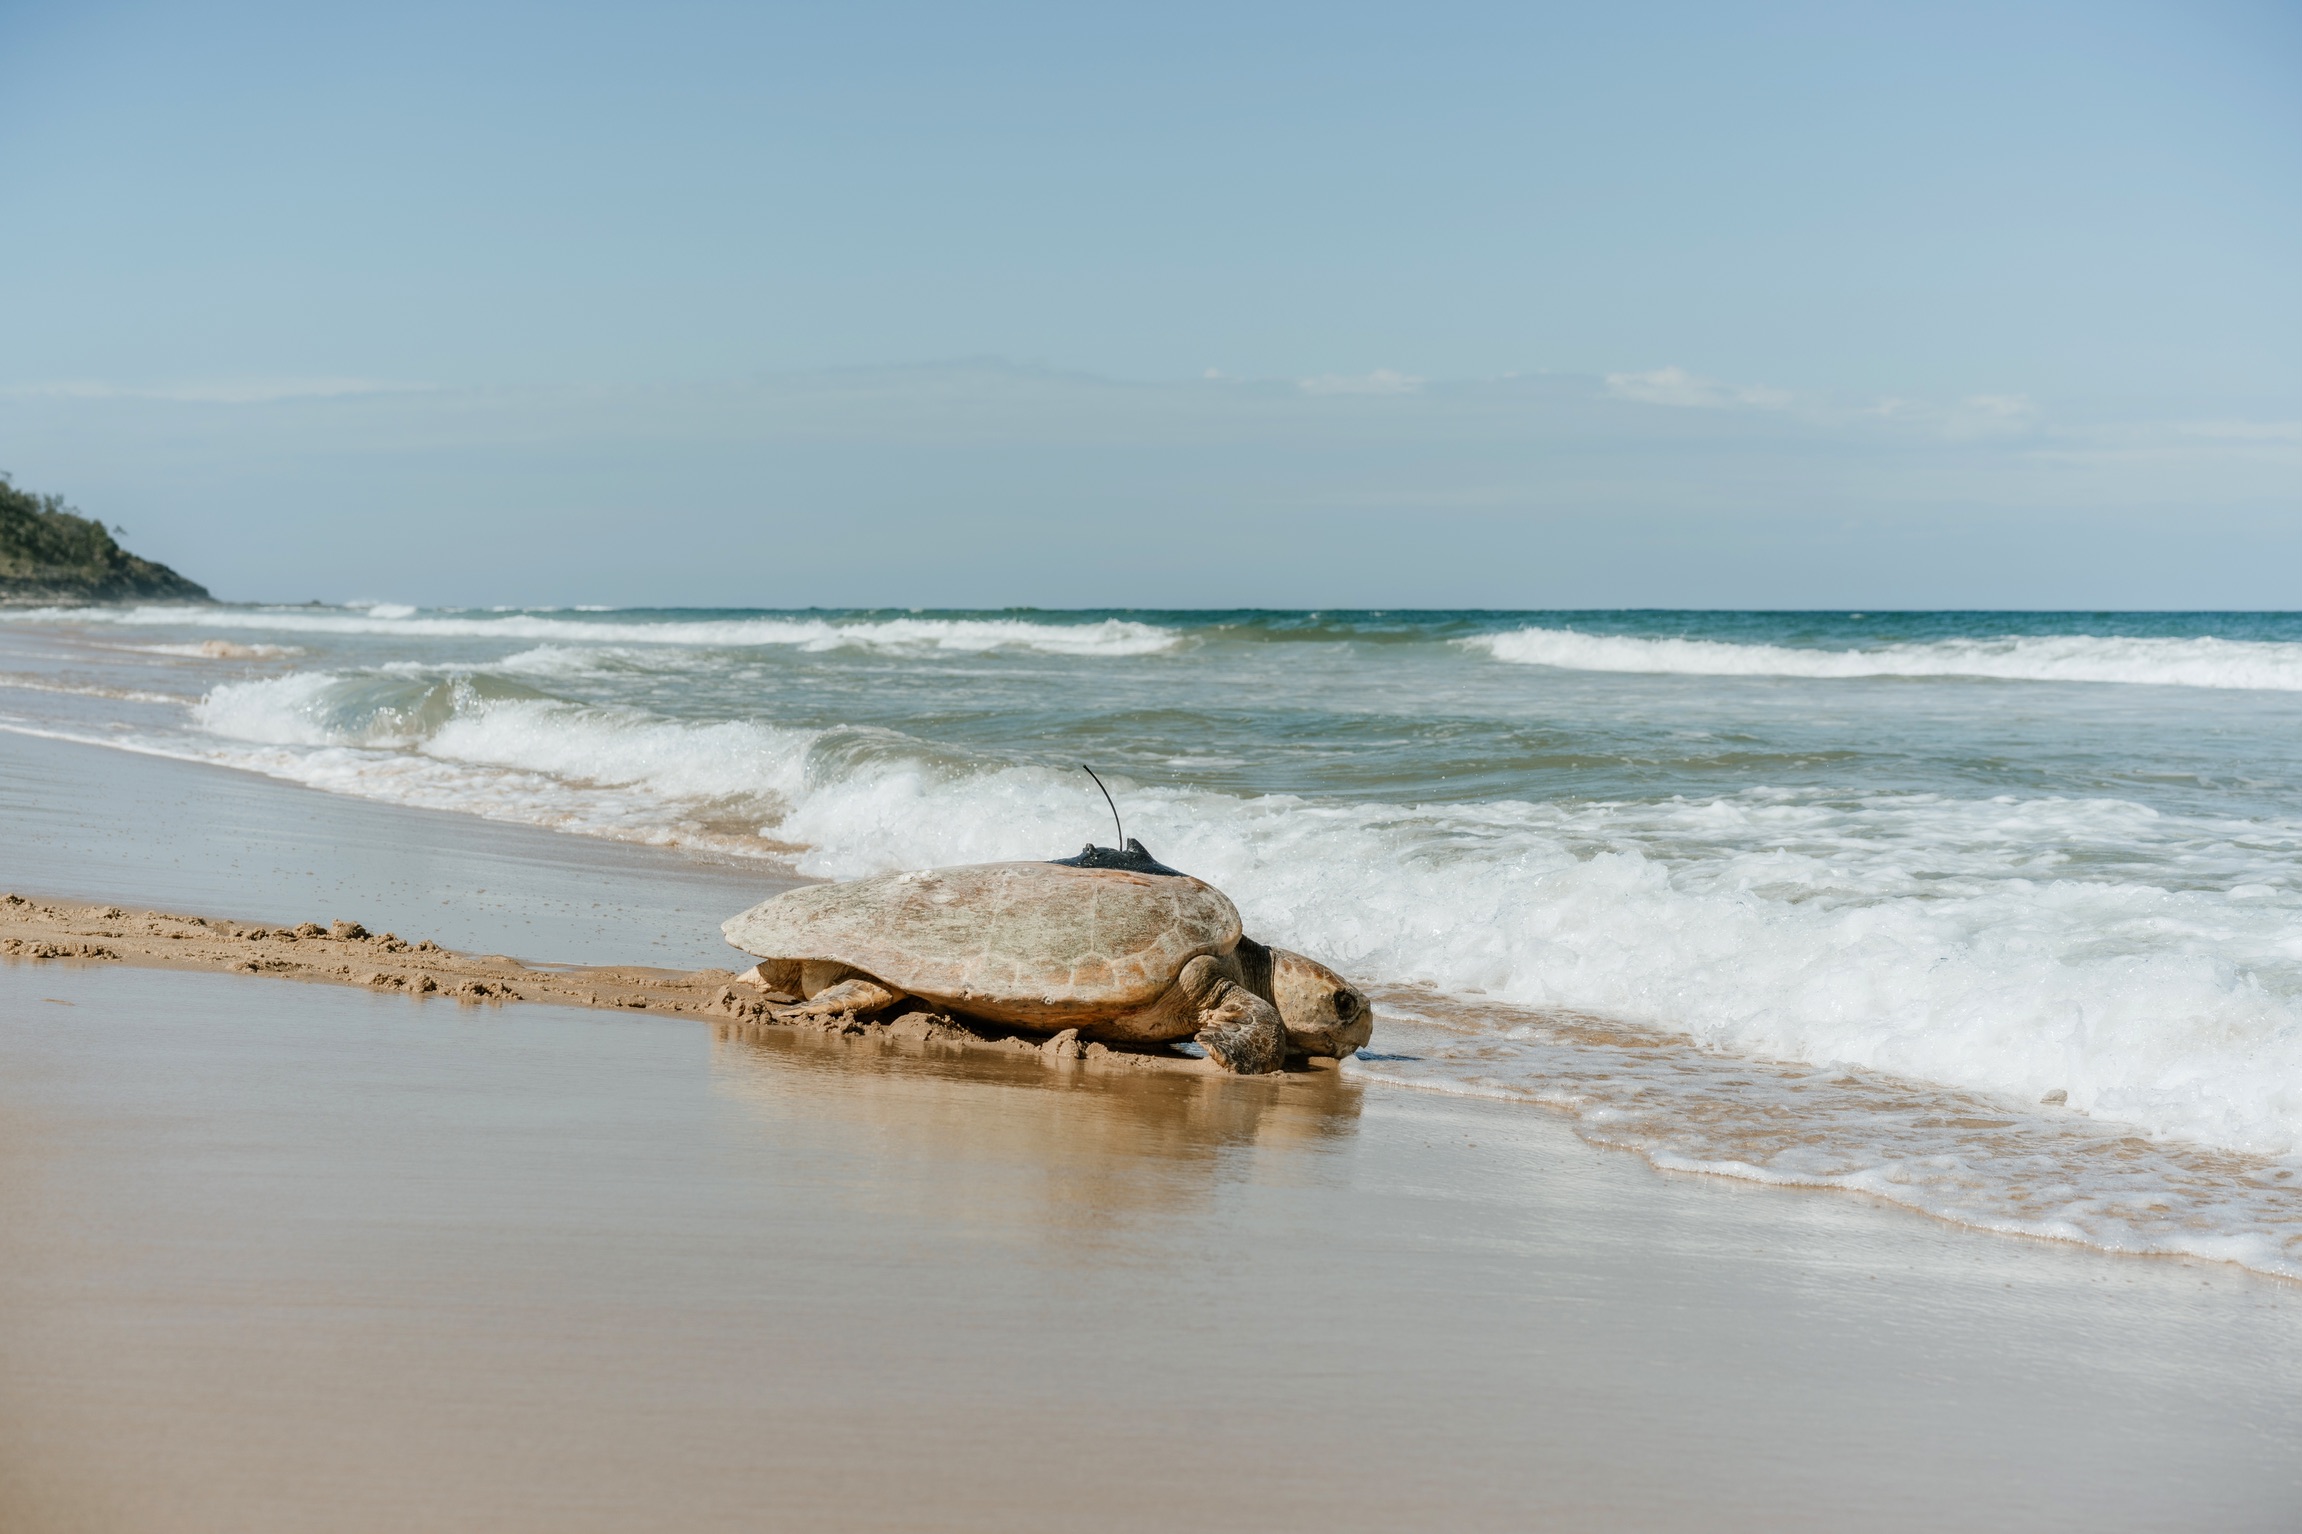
<point x="1345" y="1005"/>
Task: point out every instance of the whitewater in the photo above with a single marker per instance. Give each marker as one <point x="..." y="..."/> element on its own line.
<point x="2201" y="661"/>
<point x="1995" y="915"/>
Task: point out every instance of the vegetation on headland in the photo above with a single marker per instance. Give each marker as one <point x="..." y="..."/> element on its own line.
<point x="50" y="553"/>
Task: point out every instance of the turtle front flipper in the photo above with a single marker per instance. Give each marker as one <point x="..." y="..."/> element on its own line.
<point x="1241" y="1032"/>
<point x="853" y="997"/>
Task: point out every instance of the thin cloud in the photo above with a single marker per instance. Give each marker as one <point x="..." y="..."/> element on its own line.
<point x="1380" y="381"/>
<point x="216" y="391"/>
<point x="1677" y="387"/>
<point x="1990" y="415"/>
<point x="2244" y="431"/>
<point x="1978" y="415"/>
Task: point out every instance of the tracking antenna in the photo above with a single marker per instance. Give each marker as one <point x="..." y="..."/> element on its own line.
<point x="1117" y="830"/>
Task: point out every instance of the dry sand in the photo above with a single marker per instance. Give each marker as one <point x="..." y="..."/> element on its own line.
<point x="328" y="1257"/>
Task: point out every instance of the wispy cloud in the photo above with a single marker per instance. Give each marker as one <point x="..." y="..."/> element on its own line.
<point x="2244" y="431"/>
<point x="1678" y="387"/>
<point x="215" y="391"/>
<point x="1429" y="476"/>
<point x="1989" y="415"/>
<point x="1978" y="415"/>
<point x="1380" y="381"/>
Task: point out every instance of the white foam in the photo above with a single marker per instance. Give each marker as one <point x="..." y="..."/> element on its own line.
<point x="1949" y="940"/>
<point x="1932" y="938"/>
<point x="218" y="649"/>
<point x="70" y="690"/>
<point x="1916" y="966"/>
<point x="1936" y="938"/>
<point x="2197" y="662"/>
<point x="968" y="636"/>
<point x="550" y="660"/>
<point x="1981" y="1160"/>
<point x="445" y="744"/>
<point x="2145" y="964"/>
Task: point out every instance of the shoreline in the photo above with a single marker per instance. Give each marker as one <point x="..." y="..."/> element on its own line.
<point x="90" y="824"/>
<point x="302" y="1259"/>
<point x="345" y="953"/>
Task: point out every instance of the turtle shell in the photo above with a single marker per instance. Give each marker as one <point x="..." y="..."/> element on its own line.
<point x="1039" y="944"/>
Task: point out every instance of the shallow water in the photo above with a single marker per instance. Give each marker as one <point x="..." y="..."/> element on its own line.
<point x="2005" y="855"/>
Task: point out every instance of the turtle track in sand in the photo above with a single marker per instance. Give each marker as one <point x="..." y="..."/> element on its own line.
<point x="347" y="953"/>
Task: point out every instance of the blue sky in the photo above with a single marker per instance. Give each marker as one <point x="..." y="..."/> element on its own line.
<point x="1433" y="304"/>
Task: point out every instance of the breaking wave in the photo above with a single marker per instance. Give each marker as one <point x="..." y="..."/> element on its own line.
<point x="2060" y="1010"/>
<point x="487" y="745"/>
<point x="970" y="636"/>
<point x="1951" y="940"/>
<point x="2148" y="661"/>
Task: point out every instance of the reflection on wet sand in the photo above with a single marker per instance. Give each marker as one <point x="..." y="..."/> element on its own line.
<point x="1110" y="1148"/>
<point x="1977" y="1158"/>
<point x="315" y="1260"/>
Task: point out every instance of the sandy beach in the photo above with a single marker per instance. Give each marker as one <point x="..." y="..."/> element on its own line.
<point x="305" y="1257"/>
<point x="984" y="769"/>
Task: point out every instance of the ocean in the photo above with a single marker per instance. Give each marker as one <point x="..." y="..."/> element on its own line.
<point x="1994" y="915"/>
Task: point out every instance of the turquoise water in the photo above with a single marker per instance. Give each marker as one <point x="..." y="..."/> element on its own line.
<point x="2010" y="855"/>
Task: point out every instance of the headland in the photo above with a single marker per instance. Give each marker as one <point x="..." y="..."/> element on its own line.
<point x="51" y="553"/>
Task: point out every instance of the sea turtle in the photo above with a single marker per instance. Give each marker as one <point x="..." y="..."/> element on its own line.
<point x="1112" y="943"/>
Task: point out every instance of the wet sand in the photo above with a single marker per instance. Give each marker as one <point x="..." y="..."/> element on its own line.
<point x="311" y="1257"/>
<point x="80" y="823"/>
<point x="35" y="931"/>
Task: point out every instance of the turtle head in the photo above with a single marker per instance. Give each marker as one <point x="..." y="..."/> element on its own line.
<point x="1323" y="1013"/>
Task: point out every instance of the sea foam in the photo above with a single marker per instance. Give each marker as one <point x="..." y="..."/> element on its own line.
<point x="1950" y="940"/>
<point x="2031" y="1169"/>
<point x="1862" y="978"/>
<point x="2169" y="1008"/>
<point x="2203" y="661"/>
<point x="481" y="745"/>
<point x="1108" y="636"/>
